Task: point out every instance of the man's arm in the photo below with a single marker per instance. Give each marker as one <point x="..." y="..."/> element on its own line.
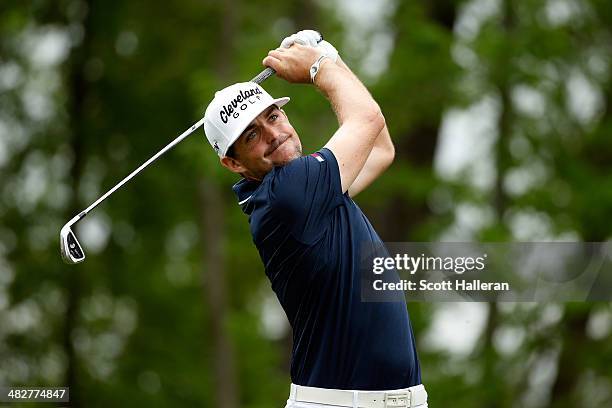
<point x="380" y="158"/>
<point x="378" y="161"/>
<point x="360" y="118"/>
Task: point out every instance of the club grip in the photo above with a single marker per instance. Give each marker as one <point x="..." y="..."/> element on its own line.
<point x="263" y="75"/>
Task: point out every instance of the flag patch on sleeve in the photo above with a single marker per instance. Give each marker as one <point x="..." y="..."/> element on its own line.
<point x="317" y="156"/>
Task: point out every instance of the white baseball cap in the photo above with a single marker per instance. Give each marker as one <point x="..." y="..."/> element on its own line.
<point x="232" y="110"/>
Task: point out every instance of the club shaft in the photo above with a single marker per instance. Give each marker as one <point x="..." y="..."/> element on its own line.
<point x="262" y="76"/>
<point x="176" y="141"/>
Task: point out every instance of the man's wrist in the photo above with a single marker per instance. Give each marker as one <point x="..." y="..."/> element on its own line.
<point x="317" y="66"/>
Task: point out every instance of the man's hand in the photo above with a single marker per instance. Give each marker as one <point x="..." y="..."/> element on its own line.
<point x="292" y="64"/>
<point x="313" y="39"/>
<point x="304" y="37"/>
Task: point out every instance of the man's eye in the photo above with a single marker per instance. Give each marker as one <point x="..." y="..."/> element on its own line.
<point x="251" y="135"/>
<point x="273" y="117"/>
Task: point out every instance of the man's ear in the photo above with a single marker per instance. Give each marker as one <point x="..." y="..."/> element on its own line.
<point x="232" y="164"/>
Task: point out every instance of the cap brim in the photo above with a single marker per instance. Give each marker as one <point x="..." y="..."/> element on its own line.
<point x="278" y="102"/>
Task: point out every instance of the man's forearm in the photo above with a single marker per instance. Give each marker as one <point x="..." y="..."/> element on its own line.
<point x="380" y="158"/>
<point x="383" y="140"/>
<point x="378" y="161"/>
<point x="353" y="142"/>
<point x="349" y="98"/>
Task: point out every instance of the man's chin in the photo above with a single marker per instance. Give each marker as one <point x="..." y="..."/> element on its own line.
<point x="285" y="154"/>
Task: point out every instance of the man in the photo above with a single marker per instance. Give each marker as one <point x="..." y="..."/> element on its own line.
<point x="308" y="230"/>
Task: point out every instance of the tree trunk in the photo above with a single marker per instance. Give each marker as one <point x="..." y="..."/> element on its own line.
<point x="570" y="365"/>
<point x="215" y="291"/>
<point x="213" y="236"/>
<point x="77" y="92"/>
<point x="417" y="147"/>
<point x="493" y="385"/>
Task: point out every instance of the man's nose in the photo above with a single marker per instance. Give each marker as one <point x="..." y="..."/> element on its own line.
<point x="271" y="133"/>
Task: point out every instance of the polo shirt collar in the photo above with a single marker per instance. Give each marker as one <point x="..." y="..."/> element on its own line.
<point x="244" y="190"/>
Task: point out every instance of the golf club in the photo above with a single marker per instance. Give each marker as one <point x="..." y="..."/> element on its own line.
<point x="71" y="249"/>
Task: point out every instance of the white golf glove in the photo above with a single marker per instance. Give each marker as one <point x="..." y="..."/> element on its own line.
<point x="311" y="38"/>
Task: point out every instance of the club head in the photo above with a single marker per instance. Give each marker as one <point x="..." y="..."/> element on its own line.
<point x="72" y="252"/>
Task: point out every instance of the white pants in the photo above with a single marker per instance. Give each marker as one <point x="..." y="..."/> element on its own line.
<point x="295" y="404"/>
<point x="292" y="403"/>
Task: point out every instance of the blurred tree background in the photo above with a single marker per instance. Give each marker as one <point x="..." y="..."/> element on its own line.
<point x="501" y="112"/>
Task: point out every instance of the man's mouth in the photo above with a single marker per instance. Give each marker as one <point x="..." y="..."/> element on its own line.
<point x="276" y="146"/>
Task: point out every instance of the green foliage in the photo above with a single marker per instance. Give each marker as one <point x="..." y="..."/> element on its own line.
<point x="90" y="89"/>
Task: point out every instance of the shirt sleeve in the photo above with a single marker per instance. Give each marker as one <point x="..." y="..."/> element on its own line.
<point x="304" y="193"/>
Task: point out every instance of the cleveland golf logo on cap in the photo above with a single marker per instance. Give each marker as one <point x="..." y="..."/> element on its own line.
<point x="231" y="111"/>
<point x="240" y="102"/>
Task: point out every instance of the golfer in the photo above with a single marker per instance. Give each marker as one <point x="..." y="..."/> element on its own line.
<point x="308" y="230"/>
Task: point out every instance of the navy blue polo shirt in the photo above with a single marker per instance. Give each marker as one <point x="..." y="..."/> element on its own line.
<point x="308" y="235"/>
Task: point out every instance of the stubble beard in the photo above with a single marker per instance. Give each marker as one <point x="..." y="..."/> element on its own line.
<point x="260" y="176"/>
